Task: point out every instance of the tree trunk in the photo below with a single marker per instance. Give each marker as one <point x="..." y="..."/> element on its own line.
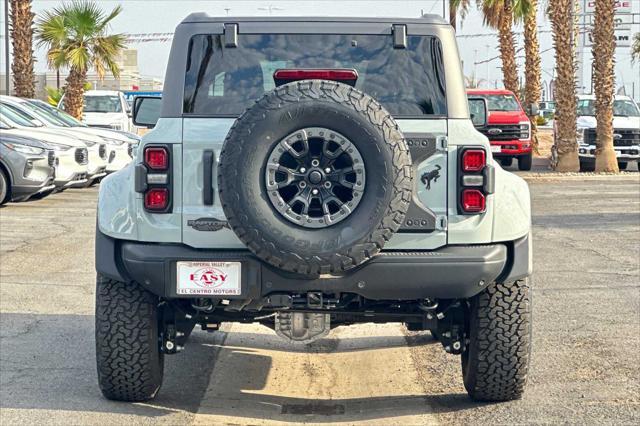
<point x="453" y="14"/>
<point x="565" y="147"/>
<point x="507" y="49"/>
<point x="73" y="93"/>
<point x="604" y="47"/>
<point x="532" y="72"/>
<point x="22" y="41"/>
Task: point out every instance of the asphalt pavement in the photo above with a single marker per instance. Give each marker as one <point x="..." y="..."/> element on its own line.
<point x="586" y="335"/>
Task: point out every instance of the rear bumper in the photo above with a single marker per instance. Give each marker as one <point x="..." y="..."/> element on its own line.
<point x="450" y="272"/>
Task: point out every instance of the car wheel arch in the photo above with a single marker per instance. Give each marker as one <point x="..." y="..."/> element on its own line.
<point x="7" y="173"/>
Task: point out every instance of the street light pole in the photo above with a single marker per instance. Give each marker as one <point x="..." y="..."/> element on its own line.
<point x="6" y="47"/>
<point x="488" y="69"/>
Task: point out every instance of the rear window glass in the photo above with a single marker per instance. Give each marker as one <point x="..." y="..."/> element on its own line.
<point x="226" y="81"/>
<point x="500" y="102"/>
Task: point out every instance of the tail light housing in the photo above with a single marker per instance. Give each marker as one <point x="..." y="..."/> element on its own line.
<point x="156" y="199"/>
<point x="473" y="160"/>
<point x="473" y="201"/>
<point x="156" y="158"/>
<point x="153" y="178"/>
<point x="475" y="180"/>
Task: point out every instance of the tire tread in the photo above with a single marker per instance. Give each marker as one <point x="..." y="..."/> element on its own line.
<point x="129" y="362"/>
<point x="498" y="355"/>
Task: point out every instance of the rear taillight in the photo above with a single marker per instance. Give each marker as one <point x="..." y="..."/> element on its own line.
<point x="156" y="199"/>
<point x="475" y="180"/>
<point x="473" y="160"/>
<point x="155" y="182"/>
<point x="348" y="76"/>
<point x="156" y="158"/>
<point x="473" y="201"/>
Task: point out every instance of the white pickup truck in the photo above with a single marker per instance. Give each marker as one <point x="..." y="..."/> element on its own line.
<point x="626" y="131"/>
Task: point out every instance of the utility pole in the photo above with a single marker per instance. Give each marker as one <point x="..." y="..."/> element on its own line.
<point x="475" y="64"/>
<point x="488" y="69"/>
<point x="6" y="47"/>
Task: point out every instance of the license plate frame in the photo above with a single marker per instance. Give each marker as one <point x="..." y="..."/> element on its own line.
<point x="208" y="278"/>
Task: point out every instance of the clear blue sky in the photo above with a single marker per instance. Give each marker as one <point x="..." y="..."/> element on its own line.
<point x="147" y="16"/>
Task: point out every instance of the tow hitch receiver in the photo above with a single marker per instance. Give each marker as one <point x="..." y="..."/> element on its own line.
<point x="302" y="326"/>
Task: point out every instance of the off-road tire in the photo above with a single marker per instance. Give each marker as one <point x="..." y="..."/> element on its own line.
<point x="525" y="162"/>
<point x="587" y="166"/>
<point x="4" y="188"/>
<point x="506" y="162"/>
<point x="496" y="360"/>
<point x="383" y="205"/>
<point x="130" y="363"/>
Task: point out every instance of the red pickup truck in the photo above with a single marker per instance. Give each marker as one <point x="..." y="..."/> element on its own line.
<point x="508" y="127"/>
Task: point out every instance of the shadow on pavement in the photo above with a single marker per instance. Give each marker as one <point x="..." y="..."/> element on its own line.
<point x="47" y="362"/>
<point x="330" y="345"/>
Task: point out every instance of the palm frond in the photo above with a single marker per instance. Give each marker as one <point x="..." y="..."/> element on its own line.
<point x="75" y="35"/>
<point x="104" y="24"/>
<point x="78" y="58"/>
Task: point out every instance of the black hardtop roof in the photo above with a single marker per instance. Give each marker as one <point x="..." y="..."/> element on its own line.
<point x="201" y="17"/>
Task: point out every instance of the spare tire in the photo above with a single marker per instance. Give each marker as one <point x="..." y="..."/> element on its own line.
<point x="315" y="177"/>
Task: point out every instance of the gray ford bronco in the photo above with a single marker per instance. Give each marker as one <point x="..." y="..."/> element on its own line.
<point x="306" y="174"/>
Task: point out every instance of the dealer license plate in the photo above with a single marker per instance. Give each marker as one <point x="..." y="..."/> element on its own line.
<point x="496" y="148"/>
<point x="209" y="278"/>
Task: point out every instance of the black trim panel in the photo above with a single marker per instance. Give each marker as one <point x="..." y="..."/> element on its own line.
<point x="207" y="177"/>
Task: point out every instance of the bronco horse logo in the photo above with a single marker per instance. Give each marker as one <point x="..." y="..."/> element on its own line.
<point x="433" y="175"/>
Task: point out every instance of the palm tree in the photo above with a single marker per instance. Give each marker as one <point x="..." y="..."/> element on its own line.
<point x="22" y="40"/>
<point x="527" y="12"/>
<point x="473" y="82"/>
<point x="565" y="146"/>
<point x="455" y="7"/>
<point x="604" y="48"/>
<point x="75" y="35"/>
<point x="498" y="14"/>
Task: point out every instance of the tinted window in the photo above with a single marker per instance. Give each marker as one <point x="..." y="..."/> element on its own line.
<point x="225" y="81"/>
<point x="621" y="108"/>
<point x="500" y="102"/>
<point x="20" y="118"/>
<point x="43" y="115"/>
<point x="102" y="104"/>
<point x="61" y="115"/>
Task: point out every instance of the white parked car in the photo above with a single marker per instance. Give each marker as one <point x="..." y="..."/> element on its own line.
<point x="106" y="109"/>
<point x="97" y="147"/>
<point x="71" y="167"/>
<point x="626" y="131"/>
<point x="117" y="142"/>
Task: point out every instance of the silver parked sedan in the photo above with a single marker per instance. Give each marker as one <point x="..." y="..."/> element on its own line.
<point x="26" y="168"/>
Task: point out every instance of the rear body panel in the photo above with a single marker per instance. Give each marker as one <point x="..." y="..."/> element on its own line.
<point x="122" y="216"/>
<point x="202" y="134"/>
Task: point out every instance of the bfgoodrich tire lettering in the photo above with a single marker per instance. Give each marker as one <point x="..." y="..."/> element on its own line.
<point x="372" y="131"/>
<point x="496" y="360"/>
<point x="130" y="364"/>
